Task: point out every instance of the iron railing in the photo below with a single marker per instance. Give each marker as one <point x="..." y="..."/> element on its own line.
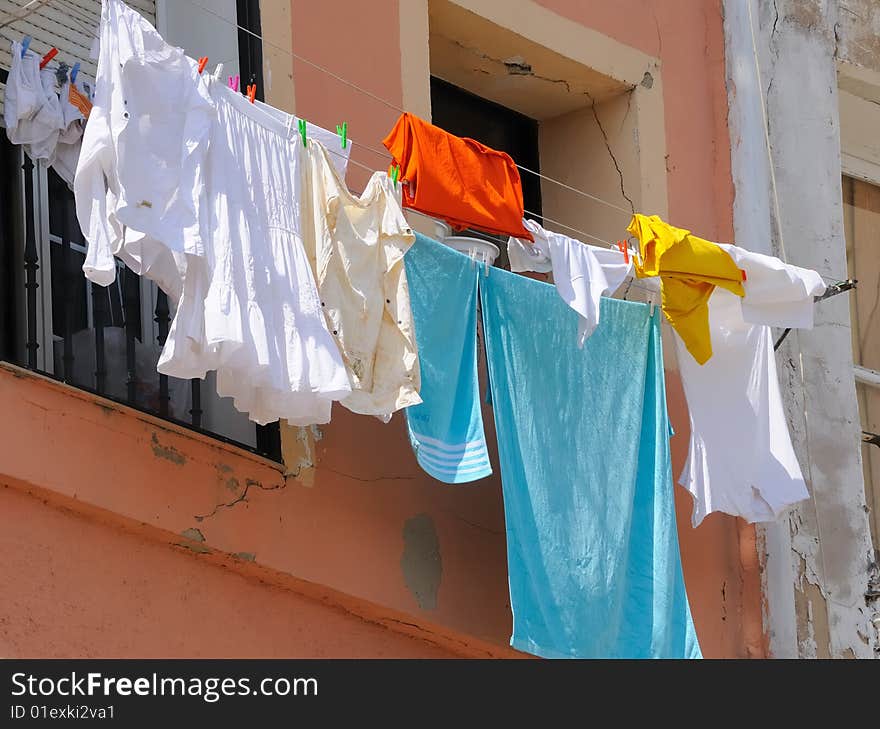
<point x="118" y="306"/>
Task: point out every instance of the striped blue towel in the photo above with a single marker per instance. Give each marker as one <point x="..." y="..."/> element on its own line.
<point x="446" y="430"/>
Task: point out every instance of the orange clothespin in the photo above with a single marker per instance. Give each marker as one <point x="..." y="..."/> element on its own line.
<point x="743" y="272"/>
<point x="252" y="92"/>
<point x="621" y="245"/>
<point x="203" y="61"/>
<point x="48" y="57"/>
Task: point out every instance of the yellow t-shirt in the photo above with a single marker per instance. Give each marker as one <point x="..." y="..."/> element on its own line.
<point x="689" y="269"/>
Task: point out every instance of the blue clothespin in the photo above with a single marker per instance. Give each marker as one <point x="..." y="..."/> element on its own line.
<point x="301" y="123"/>
<point x="342" y="131"/>
<point x="25" y="44"/>
<point x="74" y="72"/>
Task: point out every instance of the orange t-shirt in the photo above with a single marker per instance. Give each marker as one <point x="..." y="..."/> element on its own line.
<point x="459" y="180"/>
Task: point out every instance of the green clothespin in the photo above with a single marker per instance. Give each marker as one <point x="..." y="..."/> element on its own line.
<point x="301" y="123"/>
<point x="342" y="131"/>
<point x="395" y="173"/>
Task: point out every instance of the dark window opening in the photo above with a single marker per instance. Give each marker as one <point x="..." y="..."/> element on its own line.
<point x="466" y="115"/>
<point x="250" y="46"/>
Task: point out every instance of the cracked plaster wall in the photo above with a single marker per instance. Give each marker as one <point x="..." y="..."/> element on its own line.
<point x="817" y="559"/>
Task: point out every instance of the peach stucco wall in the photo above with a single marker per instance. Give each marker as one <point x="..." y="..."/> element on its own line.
<point x="720" y="559"/>
<point x="198" y="549"/>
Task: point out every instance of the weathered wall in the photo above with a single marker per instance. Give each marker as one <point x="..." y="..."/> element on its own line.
<point x="817" y="563"/>
<point x="75" y="587"/>
<point x="363" y="474"/>
<point x="352" y="522"/>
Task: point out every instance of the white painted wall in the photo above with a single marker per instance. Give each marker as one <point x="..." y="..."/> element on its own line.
<point x="815" y="561"/>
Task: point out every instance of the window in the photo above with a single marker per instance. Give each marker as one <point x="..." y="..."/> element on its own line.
<point x="465" y="114"/>
<point x="108" y="340"/>
<point x="861" y="202"/>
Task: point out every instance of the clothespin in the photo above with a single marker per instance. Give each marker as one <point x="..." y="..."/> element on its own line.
<point x="652" y="306"/>
<point x="233" y="82"/>
<point x="252" y="92"/>
<point x="203" y="61"/>
<point x="301" y="124"/>
<point x="395" y="173"/>
<point x="743" y="272"/>
<point x="623" y="248"/>
<point x="48" y="57"/>
<point x="342" y="131"/>
<point x="25" y="44"/>
<point x="74" y="72"/>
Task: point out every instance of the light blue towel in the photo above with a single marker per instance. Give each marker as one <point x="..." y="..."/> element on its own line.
<point x="592" y="546"/>
<point x="446" y="430"/>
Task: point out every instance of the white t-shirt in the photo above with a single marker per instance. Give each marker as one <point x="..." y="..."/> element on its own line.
<point x="740" y="458"/>
<point x="143" y="150"/>
<point x="583" y="274"/>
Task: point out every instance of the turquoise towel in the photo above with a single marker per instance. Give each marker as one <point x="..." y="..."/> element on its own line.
<point x="592" y="547"/>
<point x="446" y="430"/>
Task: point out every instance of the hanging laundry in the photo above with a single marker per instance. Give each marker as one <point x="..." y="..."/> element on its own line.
<point x="338" y="154"/>
<point x="24" y="92"/>
<point x="214" y="217"/>
<point x="740" y="457"/>
<point x="75" y="108"/>
<point x="582" y="274"/>
<point x="456" y="179"/>
<point x="249" y="307"/>
<point x="356" y="247"/>
<point x="583" y="439"/>
<point x="690" y="269"/>
<point x="33" y="112"/>
<point x="138" y="181"/>
<point x="446" y="430"/>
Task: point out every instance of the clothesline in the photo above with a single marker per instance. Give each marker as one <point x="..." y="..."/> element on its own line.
<point x="390" y="105"/>
<point x="831" y="281"/>
<point x="384" y="153"/>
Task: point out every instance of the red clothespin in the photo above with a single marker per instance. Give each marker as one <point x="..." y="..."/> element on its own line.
<point x="203" y="61"/>
<point x="233" y="82"/>
<point x="743" y="272"/>
<point x="621" y="245"/>
<point x="48" y="57"/>
<point x="251" y="92"/>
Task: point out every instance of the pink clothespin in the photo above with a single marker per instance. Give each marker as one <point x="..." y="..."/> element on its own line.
<point x="233" y="82"/>
<point x="203" y="61"/>
<point x="48" y="57"/>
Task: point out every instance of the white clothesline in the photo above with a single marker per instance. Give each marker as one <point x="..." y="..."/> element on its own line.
<point x="386" y="154"/>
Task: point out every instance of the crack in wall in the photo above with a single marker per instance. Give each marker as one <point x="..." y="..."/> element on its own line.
<point x="610" y="151"/>
<point x="367" y="480"/>
<point x="240" y="498"/>
<point x="517" y="66"/>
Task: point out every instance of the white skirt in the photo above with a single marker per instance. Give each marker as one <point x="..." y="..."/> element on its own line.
<point x="249" y="308"/>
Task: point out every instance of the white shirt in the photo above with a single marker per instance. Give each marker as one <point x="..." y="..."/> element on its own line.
<point x="583" y="274"/>
<point x="356" y="246"/>
<point x="143" y="149"/>
<point x="740" y="457"/>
